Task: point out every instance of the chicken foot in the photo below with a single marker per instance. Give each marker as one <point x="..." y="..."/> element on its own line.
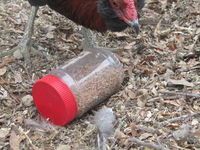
<point x="23" y="49"/>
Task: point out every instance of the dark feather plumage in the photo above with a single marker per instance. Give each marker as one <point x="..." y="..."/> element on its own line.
<point x="140" y="4"/>
<point x="94" y="14"/>
<point x="38" y="2"/>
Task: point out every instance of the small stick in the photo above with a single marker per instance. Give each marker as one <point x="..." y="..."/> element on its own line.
<point x="180" y="118"/>
<point x="29" y="140"/>
<point x="146" y="144"/>
<point x="181" y="93"/>
<point x="194" y="43"/>
<point x="154" y="99"/>
<point x="148" y="129"/>
<point x="152" y="21"/>
<point x="184" y="28"/>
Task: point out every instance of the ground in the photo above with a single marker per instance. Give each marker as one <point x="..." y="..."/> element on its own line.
<point x="158" y="103"/>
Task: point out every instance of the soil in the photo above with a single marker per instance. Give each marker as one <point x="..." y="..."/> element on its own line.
<point x="158" y="103"/>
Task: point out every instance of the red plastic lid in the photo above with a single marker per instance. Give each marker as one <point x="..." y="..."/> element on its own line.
<point x="54" y="100"/>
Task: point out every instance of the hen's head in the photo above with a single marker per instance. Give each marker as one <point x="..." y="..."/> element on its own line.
<point x="119" y="14"/>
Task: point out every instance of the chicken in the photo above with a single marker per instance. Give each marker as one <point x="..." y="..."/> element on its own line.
<point x="99" y="15"/>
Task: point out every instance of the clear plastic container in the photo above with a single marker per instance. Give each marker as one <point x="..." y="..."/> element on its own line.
<point x="75" y="87"/>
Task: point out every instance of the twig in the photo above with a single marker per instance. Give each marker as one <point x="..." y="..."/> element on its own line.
<point x="194" y="43"/>
<point x="154" y="99"/>
<point x="6" y="61"/>
<point x="146" y="144"/>
<point x="184" y="28"/>
<point x="11" y="95"/>
<point x="29" y="140"/>
<point x="21" y="131"/>
<point x="152" y="21"/>
<point x="181" y="93"/>
<point x="148" y="129"/>
<point x="157" y="29"/>
<point x="180" y="118"/>
<point x="7" y="53"/>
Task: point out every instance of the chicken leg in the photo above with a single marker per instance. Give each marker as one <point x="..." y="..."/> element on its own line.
<point x="22" y="50"/>
<point x="89" y="38"/>
<point x="90" y="41"/>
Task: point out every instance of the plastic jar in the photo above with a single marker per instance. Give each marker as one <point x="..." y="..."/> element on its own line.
<point x="74" y="88"/>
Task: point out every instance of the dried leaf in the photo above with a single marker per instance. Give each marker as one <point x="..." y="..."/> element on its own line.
<point x="180" y="82"/>
<point x="3" y="93"/>
<point x="17" y="54"/>
<point x="134" y="130"/>
<point x="4" y="132"/>
<point x="27" y="100"/>
<point x="172" y="102"/>
<point x="50" y="35"/>
<point x="18" y="77"/>
<point x="141" y="102"/>
<point x="121" y="34"/>
<point x="15" y="141"/>
<point x="3" y="71"/>
<point x="145" y="136"/>
<point x="195" y="122"/>
<point x="48" y="28"/>
<point x="63" y="147"/>
<point x="131" y="94"/>
<point x="129" y="46"/>
<point x="6" y="61"/>
<point x="120" y="135"/>
<point x="182" y="133"/>
<point x="173" y="125"/>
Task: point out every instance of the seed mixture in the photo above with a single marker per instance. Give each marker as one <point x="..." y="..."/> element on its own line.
<point x="97" y="87"/>
<point x="93" y="76"/>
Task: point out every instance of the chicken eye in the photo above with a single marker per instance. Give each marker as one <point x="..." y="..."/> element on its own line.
<point x="115" y="4"/>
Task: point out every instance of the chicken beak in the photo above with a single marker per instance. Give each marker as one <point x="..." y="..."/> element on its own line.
<point x="134" y="24"/>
